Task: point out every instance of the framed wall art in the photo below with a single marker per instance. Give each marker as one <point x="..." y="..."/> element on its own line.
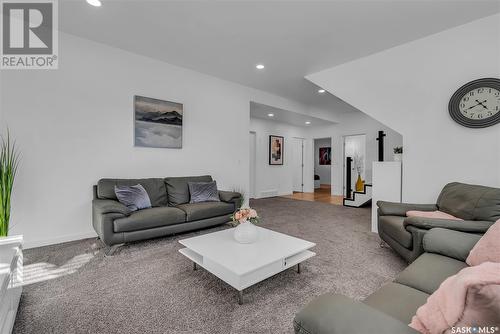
<point x="276" y="149"/>
<point x="157" y="123"/>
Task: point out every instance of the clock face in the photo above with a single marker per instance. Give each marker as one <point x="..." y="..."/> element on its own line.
<point x="480" y="103"/>
<point x="477" y="103"/>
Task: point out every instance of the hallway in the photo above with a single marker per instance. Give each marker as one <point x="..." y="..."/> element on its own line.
<point x="322" y="194"/>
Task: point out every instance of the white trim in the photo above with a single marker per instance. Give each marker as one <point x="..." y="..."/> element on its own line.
<point x="278" y="194"/>
<point x="58" y="240"/>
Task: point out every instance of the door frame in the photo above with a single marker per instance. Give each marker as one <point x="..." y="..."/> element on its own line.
<point x="252" y="160"/>
<point x="302" y="141"/>
<point x="314" y="156"/>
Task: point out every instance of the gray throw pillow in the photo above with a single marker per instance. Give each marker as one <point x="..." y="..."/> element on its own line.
<point x="133" y="197"/>
<point x="203" y="192"/>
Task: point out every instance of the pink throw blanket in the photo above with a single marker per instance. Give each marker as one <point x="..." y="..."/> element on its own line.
<point x="469" y="298"/>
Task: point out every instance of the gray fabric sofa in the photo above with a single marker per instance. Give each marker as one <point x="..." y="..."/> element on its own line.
<point x="479" y="206"/>
<point x="390" y="309"/>
<point x="171" y="211"/>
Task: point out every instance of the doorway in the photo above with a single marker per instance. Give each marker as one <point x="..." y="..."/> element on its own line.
<point x="354" y="162"/>
<point x="323" y="166"/>
<point x="298" y="164"/>
<point x="253" y="163"/>
<point x="299" y="157"/>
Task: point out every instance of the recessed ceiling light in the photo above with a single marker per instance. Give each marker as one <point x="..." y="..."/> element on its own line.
<point x="307" y="122"/>
<point x="321" y="91"/>
<point x="95" y="3"/>
<point x="270" y="115"/>
<point x="259" y="66"/>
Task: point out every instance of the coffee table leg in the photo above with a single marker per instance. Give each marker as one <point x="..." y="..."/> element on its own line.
<point x="240" y="297"/>
<point x="195" y="267"/>
<point x="298" y="268"/>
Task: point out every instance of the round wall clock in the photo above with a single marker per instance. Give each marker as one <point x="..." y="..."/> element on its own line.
<point x="477" y="103"/>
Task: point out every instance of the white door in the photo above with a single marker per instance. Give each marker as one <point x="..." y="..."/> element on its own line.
<point x="355" y="147"/>
<point x="253" y="159"/>
<point x="298" y="164"/>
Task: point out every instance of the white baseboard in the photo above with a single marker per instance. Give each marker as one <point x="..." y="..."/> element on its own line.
<point x="285" y="193"/>
<point x="58" y="240"/>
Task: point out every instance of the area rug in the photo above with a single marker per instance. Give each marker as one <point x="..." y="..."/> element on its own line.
<point x="149" y="287"/>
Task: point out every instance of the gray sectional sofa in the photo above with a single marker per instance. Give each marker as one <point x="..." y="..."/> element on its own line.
<point x="390" y="309"/>
<point x="170" y="213"/>
<point x="479" y="206"/>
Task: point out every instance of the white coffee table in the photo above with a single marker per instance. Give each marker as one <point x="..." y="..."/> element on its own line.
<point x="243" y="265"/>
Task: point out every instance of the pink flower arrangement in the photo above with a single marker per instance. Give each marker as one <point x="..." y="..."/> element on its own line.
<point x="245" y="215"/>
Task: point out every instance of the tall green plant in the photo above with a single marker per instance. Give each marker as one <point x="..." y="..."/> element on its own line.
<point x="9" y="162"/>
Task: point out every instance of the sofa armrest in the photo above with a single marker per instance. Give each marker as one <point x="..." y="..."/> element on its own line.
<point x="229" y="196"/>
<point x="400" y="209"/>
<point x="104" y="213"/>
<point x="473" y="226"/>
<point x="337" y="314"/>
<point x="450" y="243"/>
<point x="417" y="247"/>
<point x="104" y="206"/>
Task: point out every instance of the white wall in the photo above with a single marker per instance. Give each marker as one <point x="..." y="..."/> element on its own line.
<point x="355" y="123"/>
<point x="408" y="88"/>
<point x="324" y="171"/>
<point x="74" y="126"/>
<point x="278" y="178"/>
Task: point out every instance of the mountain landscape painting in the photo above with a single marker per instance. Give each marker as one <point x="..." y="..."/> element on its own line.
<point x="157" y="123"/>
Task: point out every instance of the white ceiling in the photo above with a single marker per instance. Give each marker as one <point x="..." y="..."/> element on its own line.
<point x="292" y="38"/>
<point x="258" y="110"/>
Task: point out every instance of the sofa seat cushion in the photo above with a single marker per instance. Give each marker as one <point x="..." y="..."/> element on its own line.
<point x="398" y="301"/>
<point x="149" y="218"/>
<point x="428" y="271"/>
<point x="393" y="227"/>
<point x="197" y="211"/>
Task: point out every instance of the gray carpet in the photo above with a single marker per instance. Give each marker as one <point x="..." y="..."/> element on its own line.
<point x="149" y="287"/>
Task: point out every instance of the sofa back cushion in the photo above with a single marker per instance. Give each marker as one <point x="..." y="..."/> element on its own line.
<point x="178" y="190"/>
<point x="470" y="202"/>
<point x="155" y="188"/>
<point x="488" y="206"/>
